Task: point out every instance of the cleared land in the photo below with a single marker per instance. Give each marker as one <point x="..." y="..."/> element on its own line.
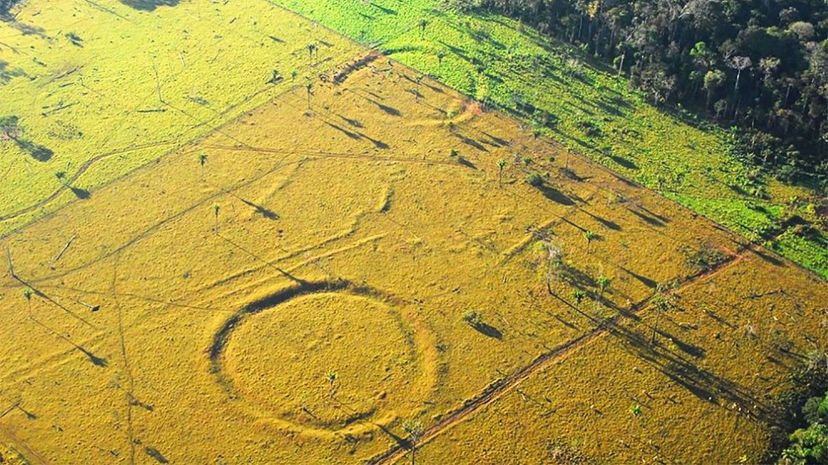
<point x="357" y="260"/>
<point x="350" y="240"/>
<point x="103" y="88"/>
<point x="589" y="109"/>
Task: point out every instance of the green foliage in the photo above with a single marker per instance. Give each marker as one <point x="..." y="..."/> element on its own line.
<point x="809" y="446"/>
<point x="636" y="410"/>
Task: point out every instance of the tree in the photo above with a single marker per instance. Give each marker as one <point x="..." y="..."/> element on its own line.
<point x="10" y="126"/>
<point x="590" y="236"/>
<point x="713" y="81"/>
<point x="473" y="318"/>
<point x="27" y="294"/>
<point x="313" y="49"/>
<point x="309" y="89"/>
<point x="423" y="24"/>
<point x="555" y="263"/>
<point x="739" y="63"/>
<point x="415" y="432"/>
<point x="603" y="283"/>
<point x="501" y="165"/>
<point x="441" y="55"/>
<point x="61" y="177"/>
<point x="331" y="376"/>
<point x="202" y="160"/>
<point x="216" y="209"/>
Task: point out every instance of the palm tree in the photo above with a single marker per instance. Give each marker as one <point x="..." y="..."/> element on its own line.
<point x="216" y="209"/>
<point x="309" y="89"/>
<point x="590" y="236"/>
<point x="603" y="284"/>
<point x="202" y="160"/>
<point x="415" y="432"/>
<point x="61" y="176"/>
<point x="423" y="23"/>
<point x="331" y="376"/>
<point x="312" y="49"/>
<point x="501" y="165"/>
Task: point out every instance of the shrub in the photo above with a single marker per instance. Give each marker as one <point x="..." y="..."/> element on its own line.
<point x="473" y="318"/>
<point x="534" y="180"/>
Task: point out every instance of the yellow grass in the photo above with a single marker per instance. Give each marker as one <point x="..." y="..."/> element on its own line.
<point x="340" y="235"/>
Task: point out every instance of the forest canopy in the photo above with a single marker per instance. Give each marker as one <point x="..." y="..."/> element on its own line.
<point x="760" y="65"/>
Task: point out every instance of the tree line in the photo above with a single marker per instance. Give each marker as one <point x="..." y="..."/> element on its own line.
<point x="758" y="64"/>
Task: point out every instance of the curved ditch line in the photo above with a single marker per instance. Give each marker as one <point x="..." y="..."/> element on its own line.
<point x="155" y="227"/>
<point x="222" y="335"/>
<point x="215" y="129"/>
<point x="505" y="385"/>
<point x="31" y="456"/>
<point x="83" y="168"/>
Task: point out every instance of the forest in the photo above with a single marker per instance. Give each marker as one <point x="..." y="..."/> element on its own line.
<point x="758" y="65"/>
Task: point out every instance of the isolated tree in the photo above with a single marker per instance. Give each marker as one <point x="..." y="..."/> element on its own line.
<point x="216" y="209"/>
<point x="61" y="177"/>
<point x="10" y="127"/>
<point x="554" y="263"/>
<point x="415" y="432"/>
<point x="501" y="165"/>
<point x="331" y="377"/>
<point x="441" y="55"/>
<point x="603" y="283"/>
<point x="423" y="23"/>
<point x="27" y="294"/>
<point x="313" y="49"/>
<point x="309" y="89"/>
<point x="473" y="318"/>
<point x="202" y="160"/>
<point x="590" y="236"/>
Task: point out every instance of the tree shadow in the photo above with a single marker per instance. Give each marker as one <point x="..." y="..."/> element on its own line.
<point x="82" y="194"/>
<point x="156" y="454"/>
<point x="148" y="5"/>
<point x="38" y="152"/>
<point x="555" y="195"/>
<point x="488" y="330"/>
<point x="702" y="383"/>
<point x="265" y="212"/>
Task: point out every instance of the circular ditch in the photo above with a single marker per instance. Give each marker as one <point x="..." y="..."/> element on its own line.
<point x="324" y="356"/>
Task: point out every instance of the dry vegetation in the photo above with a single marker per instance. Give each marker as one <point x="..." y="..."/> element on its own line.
<point x="358" y="268"/>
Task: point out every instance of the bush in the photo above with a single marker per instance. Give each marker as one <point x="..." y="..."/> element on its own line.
<point x="473" y="318"/>
<point x="816" y="410"/>
<point x="534" y="180"/>
<point x="808" y="446"/>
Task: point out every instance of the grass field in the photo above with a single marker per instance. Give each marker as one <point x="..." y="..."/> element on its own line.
<point x="132" y="85"/>
<point x="588" y="109"/>
<point x="367" y="264"/>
